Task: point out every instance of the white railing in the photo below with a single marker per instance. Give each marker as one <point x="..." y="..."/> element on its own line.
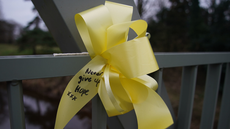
<point x="13" y="69"/>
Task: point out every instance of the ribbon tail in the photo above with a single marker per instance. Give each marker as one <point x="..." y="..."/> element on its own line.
<point x="80" y="90"/>
<point x="150" y="109"/>
<point x="153" y="112"/>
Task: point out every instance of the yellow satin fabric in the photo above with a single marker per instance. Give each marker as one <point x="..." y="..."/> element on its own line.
<point x="120" y="65"/>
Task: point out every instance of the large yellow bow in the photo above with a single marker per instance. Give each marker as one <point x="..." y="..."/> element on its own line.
<point x="117" y="71"/>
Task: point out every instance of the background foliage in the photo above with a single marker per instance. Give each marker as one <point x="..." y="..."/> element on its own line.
<point x="174" y="25"/>
<point x="185" y="26"/>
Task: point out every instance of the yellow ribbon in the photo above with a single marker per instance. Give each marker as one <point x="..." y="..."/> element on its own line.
<point x="117" y="71"/>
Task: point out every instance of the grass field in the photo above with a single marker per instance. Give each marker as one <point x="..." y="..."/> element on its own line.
<point x="12" y="49"/>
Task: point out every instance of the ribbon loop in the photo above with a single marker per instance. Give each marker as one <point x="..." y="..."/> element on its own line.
<point x="119" y="12"/>
<point x="127" y="59"/>
<point x="109" y="90"/>
<point x="93" y="27"/>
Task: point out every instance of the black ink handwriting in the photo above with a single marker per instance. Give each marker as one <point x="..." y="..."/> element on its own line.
<point x="81" y="90"/>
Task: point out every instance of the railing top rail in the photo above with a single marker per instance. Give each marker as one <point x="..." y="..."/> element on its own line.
<point x="44" y="66"/>
<point x="166" y="60"/>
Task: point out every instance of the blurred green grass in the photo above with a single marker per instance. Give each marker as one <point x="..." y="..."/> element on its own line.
<point x="13" y="49"/>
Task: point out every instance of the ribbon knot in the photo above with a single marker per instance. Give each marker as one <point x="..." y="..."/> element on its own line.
<point x="117" y="71"/>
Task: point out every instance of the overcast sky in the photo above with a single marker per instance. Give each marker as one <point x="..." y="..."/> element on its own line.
<point x="19" y="11"/>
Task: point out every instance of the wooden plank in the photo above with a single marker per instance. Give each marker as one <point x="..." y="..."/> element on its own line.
<point x="44" y="66"/>
<point x="211" y="94"/>
<point x="167" y="60"/>
<point x="16" y="105"/>
<point x="114" y="123"/>
<point x="186" y="97"/>
<point x="58" y="16"/>
<point x="158" y="75"/>
<point x="99" y="114"/>
<point x="224" y="118"/>
<point x="128" y="120"/>
<point x="40" y="66"/>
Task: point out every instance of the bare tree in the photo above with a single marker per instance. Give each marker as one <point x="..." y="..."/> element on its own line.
<point x="149" y="8"/>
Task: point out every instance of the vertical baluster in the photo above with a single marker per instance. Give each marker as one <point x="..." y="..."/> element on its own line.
<point x="16" y="105"/>
<point x="99" y="115"/>
<point x="186" y="97"/>
<point x="211" y="94"/>
<point x="114" y="123"/>
<point x="127" y="119"/>
<point x="158" y="76"/>
<point x="224" y="119"/>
